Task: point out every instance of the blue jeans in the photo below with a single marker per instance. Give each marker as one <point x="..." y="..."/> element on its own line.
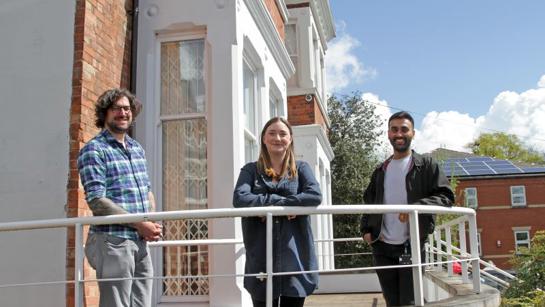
<point x="114" y="257"/>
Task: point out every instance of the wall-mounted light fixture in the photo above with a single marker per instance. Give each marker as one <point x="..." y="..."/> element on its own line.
<point x="498" y="243"/>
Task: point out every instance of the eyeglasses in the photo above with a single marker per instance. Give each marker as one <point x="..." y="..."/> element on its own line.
<point x="117" y="109"/>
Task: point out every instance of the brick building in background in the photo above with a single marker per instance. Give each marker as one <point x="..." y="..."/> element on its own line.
<point x="209" y="73"/>
<point x="508" y="198"/>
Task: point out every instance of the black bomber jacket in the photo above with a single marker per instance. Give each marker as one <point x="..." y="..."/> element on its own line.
<point x="426" y="184"/>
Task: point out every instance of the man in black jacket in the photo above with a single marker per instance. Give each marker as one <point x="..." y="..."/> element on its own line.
<point x="404" y="178"/>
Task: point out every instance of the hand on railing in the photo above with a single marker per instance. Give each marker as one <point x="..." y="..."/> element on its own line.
<point x="149" y="231"/>
<point x="367" y="238"/>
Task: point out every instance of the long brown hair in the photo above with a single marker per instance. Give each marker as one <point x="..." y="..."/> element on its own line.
<point x="264" y="162"/>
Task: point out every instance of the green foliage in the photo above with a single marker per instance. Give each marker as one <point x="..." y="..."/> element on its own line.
<point x="530" y="267"/>
<point x="354" y="135"/>
<point x="505" y="146"/>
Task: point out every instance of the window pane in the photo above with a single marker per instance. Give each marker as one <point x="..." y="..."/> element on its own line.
<point x="184" y="188"/>
<point x="522" y="236"/>
<point x="517" y="190"/>
<point x="182" y="77"/>
<point x="249" y="150"/>
<point x="249" y="98"/>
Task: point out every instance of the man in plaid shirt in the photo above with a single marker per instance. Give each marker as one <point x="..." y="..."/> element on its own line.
<point x="112" y="168"/>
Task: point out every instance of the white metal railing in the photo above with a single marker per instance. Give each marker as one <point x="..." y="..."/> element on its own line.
<point x="468" y="216"/>
<point x="445" y="248"/>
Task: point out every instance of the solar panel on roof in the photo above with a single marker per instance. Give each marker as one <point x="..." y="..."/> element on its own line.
<point x="499" y="162"/>
<point x="475" y="172"/>
<point x="508" y="171"/>
<point x="533" y="169"/>
<point x="479" y="159"/>
<point x="478" y="166"/>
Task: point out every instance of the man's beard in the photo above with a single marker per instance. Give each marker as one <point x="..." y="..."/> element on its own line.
<point x="118" y="129"/>
<point x="401" y="148"/>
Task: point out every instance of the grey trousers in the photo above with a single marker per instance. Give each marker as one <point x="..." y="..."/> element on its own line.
<point x="114" y="257"/>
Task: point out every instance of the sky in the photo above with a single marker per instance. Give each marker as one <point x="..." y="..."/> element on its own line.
<point x="460" y="67"/>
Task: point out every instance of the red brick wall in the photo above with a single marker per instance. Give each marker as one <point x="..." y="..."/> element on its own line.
<point x="102" y="52"/>
<point x="276" y="16"/>
<point x="496" y="224"/>
<point x="301" y="112"/>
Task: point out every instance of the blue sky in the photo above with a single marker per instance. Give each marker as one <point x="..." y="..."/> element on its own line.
<point x="464" y="66"/>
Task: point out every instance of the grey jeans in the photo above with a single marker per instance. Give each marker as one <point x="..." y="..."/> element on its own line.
<point x="114" y="257"/>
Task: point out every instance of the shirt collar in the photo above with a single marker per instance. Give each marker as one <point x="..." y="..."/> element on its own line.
<point x="107" y="135"/>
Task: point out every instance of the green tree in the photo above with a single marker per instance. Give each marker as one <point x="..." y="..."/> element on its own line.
<point x="504" y="146"/>
<point x="530" y="267"/>
<point x="354" y="136"/>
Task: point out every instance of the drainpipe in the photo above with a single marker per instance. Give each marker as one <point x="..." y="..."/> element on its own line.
<point x="134" y="43"/>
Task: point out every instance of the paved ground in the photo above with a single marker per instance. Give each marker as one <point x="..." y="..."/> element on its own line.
<point x="346" y="300"/>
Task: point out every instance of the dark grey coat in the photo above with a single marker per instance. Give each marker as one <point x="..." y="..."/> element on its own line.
<point x="293" y="243"/>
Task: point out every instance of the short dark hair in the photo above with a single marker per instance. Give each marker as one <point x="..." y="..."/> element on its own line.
<point x="402" y="115"/>
<point x="108" y="98"/>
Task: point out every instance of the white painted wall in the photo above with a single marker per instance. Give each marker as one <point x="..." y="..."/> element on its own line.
<point x="230" y="29"/>
<point x="36" y="57"/>
<point x="310" y="146"/>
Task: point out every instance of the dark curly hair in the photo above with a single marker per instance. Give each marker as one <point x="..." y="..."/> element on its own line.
<point x="108" y="98"/>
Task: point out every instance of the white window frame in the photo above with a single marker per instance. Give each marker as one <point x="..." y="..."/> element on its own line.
<point x="294" y="54"/>
<point x="276" y="106"/>
<point x="471" y="197"/>
<point x="521" y="195"/>
<point x="158" y="136"/>
<point x="521" y="242"/>
<point x="250" y="133"/>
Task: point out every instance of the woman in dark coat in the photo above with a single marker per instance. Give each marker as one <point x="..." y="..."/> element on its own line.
<point x="277" y="179"/>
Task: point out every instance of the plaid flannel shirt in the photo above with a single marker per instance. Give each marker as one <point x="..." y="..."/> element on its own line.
<point x="109" y="170"/>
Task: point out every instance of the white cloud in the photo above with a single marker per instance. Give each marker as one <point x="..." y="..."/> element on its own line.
<point x="342" y="65"/>
<point x="541" y="82"/>
<point x="521" y="114"/>
<point x="451" y="129"/>
<point x="384" y="113"/>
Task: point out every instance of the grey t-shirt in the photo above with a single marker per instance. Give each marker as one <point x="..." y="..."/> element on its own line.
<point x="395" y="193"/>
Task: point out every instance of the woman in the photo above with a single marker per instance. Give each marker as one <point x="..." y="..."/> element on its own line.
<point x="276" y="179"/>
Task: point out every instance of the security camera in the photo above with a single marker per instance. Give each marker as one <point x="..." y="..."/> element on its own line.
<point x="308" y="97"/>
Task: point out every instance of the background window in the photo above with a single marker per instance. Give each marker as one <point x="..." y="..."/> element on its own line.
<point x="522" y="239"/>
<point x="518" y="196"/>
<point x="184" y="162"/>
<point x="250" y="116"/>
<point x="291" y="46"/>
<point x="471" y="198"/>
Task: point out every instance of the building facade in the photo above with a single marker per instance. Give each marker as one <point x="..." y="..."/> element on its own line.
<point x="209" y="74"/>
<point x="508" y="198"/>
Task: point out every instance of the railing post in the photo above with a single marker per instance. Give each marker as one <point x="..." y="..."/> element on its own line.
<point x="438" y="256"/>
<point x="429" y="252"/>
<point x="78" y="266"/>
<point x="416" y="259"/>
<point x="463" y="249"/>
<point x="475" y="266"/>
<point x="269" y="259"/>
<point x="448" y="238"/>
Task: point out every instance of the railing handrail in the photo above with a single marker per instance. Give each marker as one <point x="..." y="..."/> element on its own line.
<point x="269" y="213"/>
<point x="228" y="212"/>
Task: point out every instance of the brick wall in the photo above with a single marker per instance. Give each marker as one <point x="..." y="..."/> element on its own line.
<point x="496" y="223"/>
<point x="102" y="53"/>
<point x="301" y="112"/>
<point x="273" y="9"/>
